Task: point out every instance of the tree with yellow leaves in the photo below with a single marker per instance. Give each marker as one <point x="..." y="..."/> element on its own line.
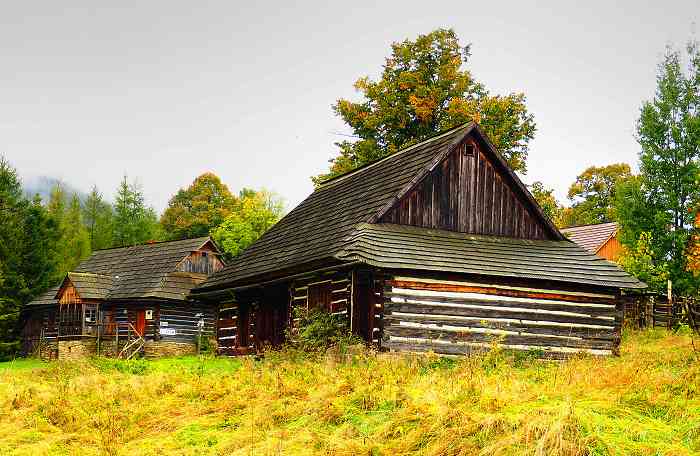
<point x="198" y="209"/>
<point x="425" y="89"/>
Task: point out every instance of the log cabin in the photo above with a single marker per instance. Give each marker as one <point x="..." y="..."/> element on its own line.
<point x="438" y="247"/>
<point x="125" y="302"/>
<point x="600" y="239"/>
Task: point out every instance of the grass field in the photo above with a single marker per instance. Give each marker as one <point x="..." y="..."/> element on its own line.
<point x="645" y="402"/>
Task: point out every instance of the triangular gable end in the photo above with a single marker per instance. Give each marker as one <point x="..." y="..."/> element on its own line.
<point x="470" y="189"/>
<point x="205" y="259"/>
<point x="67" y="293"/>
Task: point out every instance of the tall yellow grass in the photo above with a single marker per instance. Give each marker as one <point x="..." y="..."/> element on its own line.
<point x="645" y="402"/>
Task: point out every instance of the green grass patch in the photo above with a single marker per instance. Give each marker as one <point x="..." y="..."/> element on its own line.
<point x="21" y="364"/>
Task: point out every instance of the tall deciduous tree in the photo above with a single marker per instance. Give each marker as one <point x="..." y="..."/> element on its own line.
<point x="255" y="213"/>
<point x="196" y="210"/>
<point x="98" y="218"/>
<point x="593" y="194"/>
<point x="424" y="89"/>
<point x="547" y="201"/>
<point x="668" y="132"/>
<point x="134" y="222"/>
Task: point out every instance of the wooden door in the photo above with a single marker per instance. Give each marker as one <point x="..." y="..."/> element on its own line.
<point x="363" y="305"/>
<point x="141" y="322"/>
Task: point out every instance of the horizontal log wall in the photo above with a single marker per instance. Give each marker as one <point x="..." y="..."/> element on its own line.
<point x="339" y="283"/>
<point x="228" y="331"/>
<point x="123" y="313"/>
<point x="40" y="328"/>
<point x="180" y="317"/>
<point x="455" y="318"/>
<point x="183" y="318"/>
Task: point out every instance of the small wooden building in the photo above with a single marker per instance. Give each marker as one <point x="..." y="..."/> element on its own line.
<point x="600" y="239"/>
<point x="438" y="247"/>
<point x="123" y="301"/>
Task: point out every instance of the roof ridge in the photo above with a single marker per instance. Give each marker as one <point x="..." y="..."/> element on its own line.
<point x="427" y="140"/>
<point x="588" y="225"/>
<point x="147" y="243"/>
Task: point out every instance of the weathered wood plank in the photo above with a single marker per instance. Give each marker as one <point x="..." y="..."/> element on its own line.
<point x="452" y="287"/>
<point x="496" y="313"/>
<point x="604" y="310"/>
<point x="534" y="328"/>
<point x="503" y="339"/>
<point x="454" y="349"/>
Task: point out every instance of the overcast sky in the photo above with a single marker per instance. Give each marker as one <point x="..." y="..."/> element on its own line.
<point x="166" y="90"/>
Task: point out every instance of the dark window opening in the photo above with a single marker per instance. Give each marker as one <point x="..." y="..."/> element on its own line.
<point x="320" y="296"/>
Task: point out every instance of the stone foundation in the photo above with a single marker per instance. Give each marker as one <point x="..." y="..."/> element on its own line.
<point x="76" y="349"/>
<point x="161" y="348"/>
<point x="49" y="351"/>
<point x="83" y="348"/>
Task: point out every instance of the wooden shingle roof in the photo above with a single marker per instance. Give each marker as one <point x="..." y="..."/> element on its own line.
<point x="136" y="272"/>
<point x="321" y="230"/>
<point x="591" y="237"/>
<point x="48" y="298"/>
<point x="406" y="247"/>
<point x="315" y="229"/>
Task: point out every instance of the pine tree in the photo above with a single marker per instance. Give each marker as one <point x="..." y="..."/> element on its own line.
<point x="39" y="251"/>
<point x="134" y="222"/>
<point x="76" y="236"/>
<point x="98" y="218"/>
<point x="13" y="284"/>
<point x="73" y="239"/>
<point x="28" y="238"/>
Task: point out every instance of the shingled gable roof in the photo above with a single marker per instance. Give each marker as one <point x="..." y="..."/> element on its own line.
<point x="591" y="237"/>
<point x="140" y="271"/>
<point x="392" y="246"/>
<point x="317" y="229"/>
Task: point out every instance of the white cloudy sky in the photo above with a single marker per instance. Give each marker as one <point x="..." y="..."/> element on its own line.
<point x="165" y="90"/>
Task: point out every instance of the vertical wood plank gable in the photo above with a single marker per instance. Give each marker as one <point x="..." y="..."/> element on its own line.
<point x="468" y="194"/>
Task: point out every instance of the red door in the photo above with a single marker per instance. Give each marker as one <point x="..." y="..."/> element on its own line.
<point x="141" y="322"/>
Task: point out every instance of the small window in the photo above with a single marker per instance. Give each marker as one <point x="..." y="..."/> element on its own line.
<point x="469" y="150"/>
<point x="204" y="254"/>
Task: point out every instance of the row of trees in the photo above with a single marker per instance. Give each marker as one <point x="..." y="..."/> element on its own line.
<point x="40" y="242"/>
<point x="207" y="207"/>
<point x="658" y="209"/>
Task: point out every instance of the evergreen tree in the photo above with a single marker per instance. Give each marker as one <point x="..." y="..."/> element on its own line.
<point x="98" y="217"/>
<point x="13" y="286"/>
<point x="134" y="222"/>
<point x="76" y="236"/>
<point x="73" y="238"/>
<point x="40" y="255"/>
<point x="27" y="255"/>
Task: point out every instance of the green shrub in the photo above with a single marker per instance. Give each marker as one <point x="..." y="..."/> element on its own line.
<point x="317" y="330"/>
